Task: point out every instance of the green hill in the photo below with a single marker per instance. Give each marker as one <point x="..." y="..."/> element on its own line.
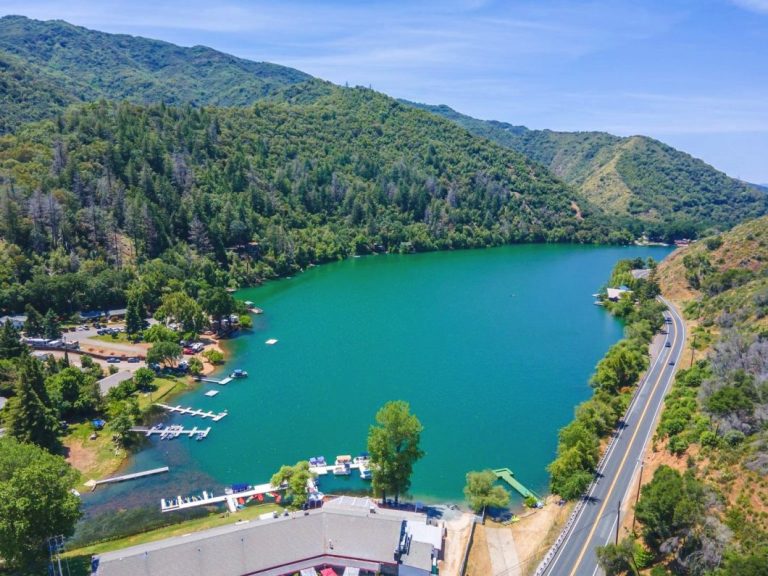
<point x="46" y="65"/>
<point x="654" y="187"/>
<point x="353" y="172"/>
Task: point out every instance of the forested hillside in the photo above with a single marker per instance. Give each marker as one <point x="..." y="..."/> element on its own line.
<point x="658" y="190"/>
<point x="46" y="65"/>
<point x="107" y="185"/>
<point x="705" y="510"/>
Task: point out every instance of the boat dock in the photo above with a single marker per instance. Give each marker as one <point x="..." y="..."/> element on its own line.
<point x="171" y="432"/>
<point x="124" y="477"/>
<point x="179" y="503"/>
<point x="193" y="412"/>
<point x="222" y="382"/>
<point x="506" y="475"/>
<point x="342" y="466"/>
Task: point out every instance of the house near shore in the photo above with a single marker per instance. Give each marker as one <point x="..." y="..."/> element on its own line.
<point x="113" y="380"/>
<point x="346" y="536"/>
<point x="615" y="293"/>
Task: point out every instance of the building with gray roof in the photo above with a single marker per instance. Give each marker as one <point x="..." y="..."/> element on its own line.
<point x="113" y="380"/>
<point x="340" y="535"/>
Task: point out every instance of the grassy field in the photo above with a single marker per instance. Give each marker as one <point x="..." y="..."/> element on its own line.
<point x="120" y="337"/>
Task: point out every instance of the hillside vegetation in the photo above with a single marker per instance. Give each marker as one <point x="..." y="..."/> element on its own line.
<point x="657" y="189"/>
<point x="107" y="185"/>
<point x="707" y="511"/>
<point x="44" y="66"/>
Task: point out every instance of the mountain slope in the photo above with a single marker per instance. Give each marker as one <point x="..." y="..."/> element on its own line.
<point x="78" y="64"/>
<point x="668" y="193"/>
<point x="715" y="419"/>
<point x="355" y="171"/>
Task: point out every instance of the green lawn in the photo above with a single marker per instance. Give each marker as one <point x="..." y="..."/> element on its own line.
<point x="121" y="337"/>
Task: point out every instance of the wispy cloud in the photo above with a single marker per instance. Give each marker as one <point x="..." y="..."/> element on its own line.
<point x="753" y="5"/>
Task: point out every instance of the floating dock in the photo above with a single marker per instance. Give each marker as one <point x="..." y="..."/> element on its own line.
<point x="124" y="477"/>
<point x="193" y="412"/>
<point x="179" y="503"/>
<point x="506" y="475"/>
<point x="171" y="432"/>
<point x="361" y="463"/>
<point x="221" y="382"/>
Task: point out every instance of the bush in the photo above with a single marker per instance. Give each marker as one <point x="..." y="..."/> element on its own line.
<point x="214" y="356"/>
<point x="708" y="438"/>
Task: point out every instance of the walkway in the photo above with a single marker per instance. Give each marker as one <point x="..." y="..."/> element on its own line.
<point x="501" y="549"/>
<point x="193" y="412"/>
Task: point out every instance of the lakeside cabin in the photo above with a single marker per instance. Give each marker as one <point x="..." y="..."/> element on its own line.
<point x="615" y="293"/>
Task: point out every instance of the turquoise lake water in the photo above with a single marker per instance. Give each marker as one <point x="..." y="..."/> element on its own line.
<point x="492" y="348"/>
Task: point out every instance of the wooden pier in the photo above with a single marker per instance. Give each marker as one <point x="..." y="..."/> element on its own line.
<point x="180" y="503"/>
<point x="124" y="477"/>
<point x="171" y="432"/>
<point x="222" y="382"/>
<point x="193" y="412"/>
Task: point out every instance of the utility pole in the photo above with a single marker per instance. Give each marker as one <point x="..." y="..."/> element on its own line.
<point x="637" y="497"/>
<point x="618" y="517"/>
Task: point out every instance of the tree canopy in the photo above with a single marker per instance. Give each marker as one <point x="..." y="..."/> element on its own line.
<point x="393" y="443"/>
<point x="481" y="491"/>
<point x="294" y="478"/>
<point x="35" y="502"/>
<point x="165" y="353"/>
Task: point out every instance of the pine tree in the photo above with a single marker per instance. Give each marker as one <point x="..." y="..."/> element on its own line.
<point x="31" y="371"/>
<point x="10" y="342"/>
<point x="28" y="419"/>
<point x="134" y="314"/>
<point x="33" y="327"/>
<point x="51" y="328"/>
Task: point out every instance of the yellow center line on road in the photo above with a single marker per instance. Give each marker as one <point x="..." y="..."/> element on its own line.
<point x="621" y="466"/>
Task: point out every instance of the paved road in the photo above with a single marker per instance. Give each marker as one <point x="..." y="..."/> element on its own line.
<point x="595" y="523"/>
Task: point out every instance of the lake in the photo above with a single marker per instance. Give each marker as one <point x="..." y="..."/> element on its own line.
<point x="492" y="348"/>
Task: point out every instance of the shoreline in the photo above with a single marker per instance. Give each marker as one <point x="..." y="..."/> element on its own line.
<point x="88" y="458"/>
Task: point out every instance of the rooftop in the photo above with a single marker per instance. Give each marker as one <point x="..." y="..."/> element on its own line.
<point x="106" y="384"/>
<point x="343" y="533"/>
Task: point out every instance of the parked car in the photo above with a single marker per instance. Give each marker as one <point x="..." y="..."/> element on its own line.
<point x="113" y="359"/>
<point x="133" y="359"/>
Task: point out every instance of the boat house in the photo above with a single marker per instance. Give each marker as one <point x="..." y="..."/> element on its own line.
<point x="348" y="535"/>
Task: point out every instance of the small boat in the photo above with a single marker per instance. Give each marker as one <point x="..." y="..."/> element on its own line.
<point x="343" y="465"/>
<point x="200" y="436"/>
<point x="239" y="373"/>
<point x="365" y="472"/>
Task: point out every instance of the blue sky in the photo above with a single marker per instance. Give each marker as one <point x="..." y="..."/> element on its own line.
<point x="693" y="73"/>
